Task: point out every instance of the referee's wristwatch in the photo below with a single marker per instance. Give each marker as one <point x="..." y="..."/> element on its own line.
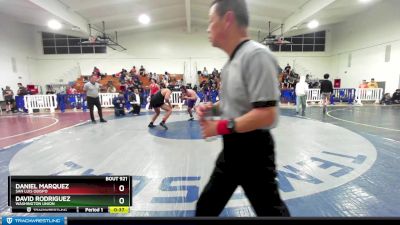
<point x="231" y="126"/>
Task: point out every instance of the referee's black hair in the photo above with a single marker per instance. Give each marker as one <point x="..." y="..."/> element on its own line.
<point x="239" y="8"/>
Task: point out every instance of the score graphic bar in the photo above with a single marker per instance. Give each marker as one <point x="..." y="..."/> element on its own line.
<point x="90" y="194"/>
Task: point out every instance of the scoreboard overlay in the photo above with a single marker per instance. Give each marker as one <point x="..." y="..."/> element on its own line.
<point x="74" y="194"/>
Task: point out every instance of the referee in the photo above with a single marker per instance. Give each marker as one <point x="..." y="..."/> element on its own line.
<point x="249" y="109"/>
<point x="91" y="89"/>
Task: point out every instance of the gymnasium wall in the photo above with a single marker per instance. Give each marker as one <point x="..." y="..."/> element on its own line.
<point x="16" y="46"/>
<point x="171" y="50"/>
<point x="359" y="46"/>
<point x="158" y="51"/>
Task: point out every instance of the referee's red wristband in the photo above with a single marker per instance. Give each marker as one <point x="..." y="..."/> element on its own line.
<point x="222" y="127"/>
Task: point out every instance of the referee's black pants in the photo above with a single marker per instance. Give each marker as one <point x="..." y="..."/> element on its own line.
<point x="91" y="102"/>
<point x="247" y="159"/>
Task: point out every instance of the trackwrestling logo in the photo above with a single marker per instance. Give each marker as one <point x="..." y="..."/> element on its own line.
<point x="33" y="220"/>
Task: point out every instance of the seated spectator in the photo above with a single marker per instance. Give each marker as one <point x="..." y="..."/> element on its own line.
<point x="364" y="84"/>
<point x="396" y="97"/>
<point x="50" y="90"/>
<point x="8" y="95"/>
<point x="373" y="84"/>
<point x="206" y="93"/>
<point x="136" y="100"/>
<point x="22" y="90"/>
<point x="118" y="75"/>
<point x="215" y="72"/>
<point x="288" y="68"/>
<point x="308" y="80"/>
<point x="133" y="70"/>
<point x="122" y="78"/>
<point x="205" y="72"/>
<point x="119" y="105"/>
<point x="71" y="90"/>
<point x="142" y="71"/>
<point x="166" y="76"/>
<point x="179" y="82"/>
<point x="155" y="76"/>
<point x="96" y="72"/>
<point x="386" y="100"/>
<point x="111" y="88"/>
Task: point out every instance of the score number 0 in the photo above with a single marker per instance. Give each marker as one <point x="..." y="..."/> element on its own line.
<point x="121" y="188"/>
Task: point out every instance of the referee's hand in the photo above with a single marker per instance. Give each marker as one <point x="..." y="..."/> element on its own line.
<point x="203" y="109"/>
<point x="208" y="128"/>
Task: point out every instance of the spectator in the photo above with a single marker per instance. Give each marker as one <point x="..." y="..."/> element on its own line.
<point x="396" y="97"/>
<point x="308" y="80"/>
<point x="111" y="88"/>
<point x="373" y="84"/>
<point x="364" y="84"/>
<point x="142" y="70"/>
<point x="326" y="91"/>
<point x="155" y="76"/>
<point x="386" y="100"/>
<point x="293" y="78"/>
<point x="166" y="76"/>
<point x="133" y="70"/>
<point x="119" y="74"/>
<point x="96" y="71"/>
<point x="71" y="90"/>
<point x="206" y="93"/>
<point x="50" y="90"/>
<point x="205" y="72"/>
<point x="21" y="90"/>
<point x="136" y="100"/>
<point x="136" y="79"/>
<point x="122" y="78"/>
<point x="179" y="82"/>
<point x="288" y="68"/>
<point x="215" y="72"/>
<point x="301" y="95"/>
<point x="119" y="105"/>
<point x="9" y="99"/>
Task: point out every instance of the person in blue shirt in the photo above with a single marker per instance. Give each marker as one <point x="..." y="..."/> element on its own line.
<point x="119" y="105"/>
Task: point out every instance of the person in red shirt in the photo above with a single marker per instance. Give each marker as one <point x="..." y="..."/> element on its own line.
<point x="364" y="84"/>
